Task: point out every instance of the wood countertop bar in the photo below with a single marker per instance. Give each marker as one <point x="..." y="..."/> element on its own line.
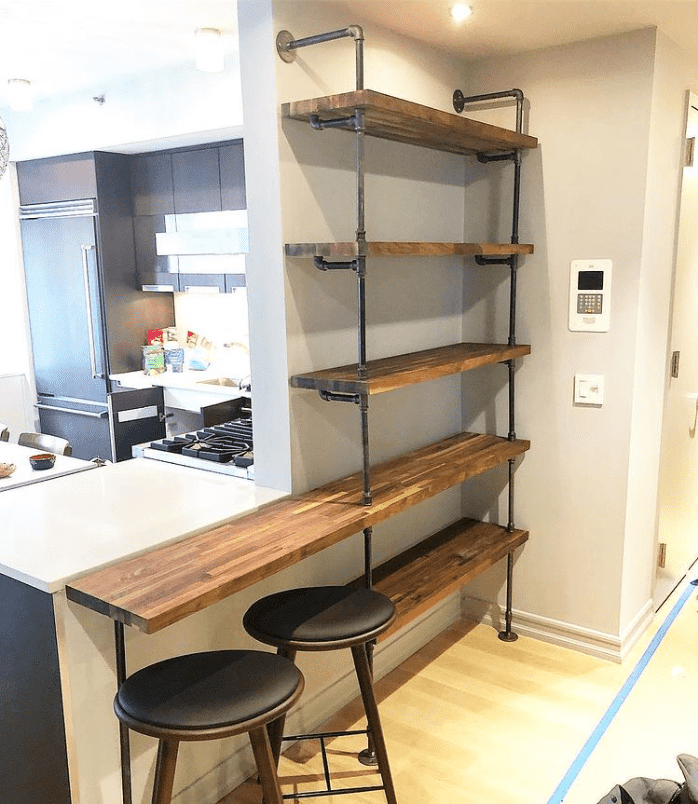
<point x="169" y="583"/>
<point x="398" y="371"/>
<point x="391" y="118"/>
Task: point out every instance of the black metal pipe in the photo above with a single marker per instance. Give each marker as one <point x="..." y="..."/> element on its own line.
<point x="513" y="273"/>
<point x="459" y="101"/>
<point x="317" y="39"/>
<point x="510" y="513"/>
<point x="124" y="743"/>
<point x="366" y="499"/>
<point x="325" y="265"/>
<point x="507" y="635"/>
<point x="368" y="557"/>
<point x="336" y="396"/>
<point x="318" y="123"/>
<point x="512" y="401"/>
<point x="517" y="194"/>
<point x="356" y="32"/>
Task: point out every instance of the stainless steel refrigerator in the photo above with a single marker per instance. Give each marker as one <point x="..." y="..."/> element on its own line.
<point x="88" y="319"/>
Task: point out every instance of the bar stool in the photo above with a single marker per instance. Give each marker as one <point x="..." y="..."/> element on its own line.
<point x="328" y="618"/>
<point x="207" y="696"/>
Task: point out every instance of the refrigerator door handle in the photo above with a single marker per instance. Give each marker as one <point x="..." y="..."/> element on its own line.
<point x="99" y="415"/>
<point x="85" y="248"/>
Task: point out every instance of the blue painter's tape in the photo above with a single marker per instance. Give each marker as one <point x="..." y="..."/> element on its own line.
<point x="559" y="795"/>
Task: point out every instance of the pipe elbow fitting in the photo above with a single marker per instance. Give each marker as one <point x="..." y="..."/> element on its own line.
<point x="355" y="31"/>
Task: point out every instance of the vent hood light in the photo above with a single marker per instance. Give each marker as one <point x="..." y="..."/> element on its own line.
<point x="208" y="49"/>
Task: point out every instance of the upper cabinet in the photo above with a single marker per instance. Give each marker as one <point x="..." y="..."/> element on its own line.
<point x="196" y="179"/>
<point x="151" y="184"/>
<point x="184" y="182"/>
<point x="60" y="178"/>
<point x="232" y="165"/>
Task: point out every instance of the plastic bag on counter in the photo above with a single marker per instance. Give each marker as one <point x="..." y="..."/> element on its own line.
<point x="153" y="359"/>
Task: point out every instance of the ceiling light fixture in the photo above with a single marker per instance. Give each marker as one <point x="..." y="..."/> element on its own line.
<point x="208" y="49"/>
<point x="460" y="12"/>
<point x="19" y="94"/>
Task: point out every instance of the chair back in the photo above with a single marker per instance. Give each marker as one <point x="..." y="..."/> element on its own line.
<point x="4" y="432"/>
<point x="48" y="443"/>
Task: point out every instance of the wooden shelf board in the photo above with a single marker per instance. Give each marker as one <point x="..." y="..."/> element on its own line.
<point x="375" y="248"/>
<point x="167" y="584"/>
<point x="391" y="118"/>
<point x="428" y="572"/>
<point x="408" y="369"/>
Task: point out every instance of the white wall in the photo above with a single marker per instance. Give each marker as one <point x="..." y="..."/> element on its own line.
<point x="603" y="183"/>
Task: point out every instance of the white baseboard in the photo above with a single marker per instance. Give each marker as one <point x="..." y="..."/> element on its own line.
<point x="557" y="632"/>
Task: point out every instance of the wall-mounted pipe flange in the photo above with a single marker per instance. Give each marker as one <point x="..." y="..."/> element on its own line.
<point x="283" y="40"/>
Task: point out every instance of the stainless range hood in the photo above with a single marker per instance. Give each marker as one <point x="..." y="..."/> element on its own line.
<point x="205" y="242"/>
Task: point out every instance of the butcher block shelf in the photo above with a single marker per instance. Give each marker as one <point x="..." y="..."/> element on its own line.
<point x="165" y="585"/>
<point x="398" y="371"/>
<point x="413" y="248"/>
<point x="391" y="118"/>
<point x="427" y="573"/>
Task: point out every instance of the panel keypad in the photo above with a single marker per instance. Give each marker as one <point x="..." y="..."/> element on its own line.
<point x="589" y="303"/>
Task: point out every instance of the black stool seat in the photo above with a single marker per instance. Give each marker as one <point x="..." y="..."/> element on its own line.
<point x="212" y="690"/>
<point x="319" y="617"/>
<point x="205" y="696"/>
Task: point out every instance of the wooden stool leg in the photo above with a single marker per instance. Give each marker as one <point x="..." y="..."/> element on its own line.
<point x="266" y="767"/>
<point x="165" y="771"/>
<point x="276" y="727"/>
<point x="363" y="673"/>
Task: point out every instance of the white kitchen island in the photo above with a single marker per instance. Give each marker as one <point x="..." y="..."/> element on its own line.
<point x="58" y="657"/>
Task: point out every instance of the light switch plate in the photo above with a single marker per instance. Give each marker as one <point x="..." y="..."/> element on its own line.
<point x="588" y="389"/>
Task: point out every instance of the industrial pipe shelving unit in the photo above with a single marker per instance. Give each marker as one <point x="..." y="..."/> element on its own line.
<point x="370" y="113"/>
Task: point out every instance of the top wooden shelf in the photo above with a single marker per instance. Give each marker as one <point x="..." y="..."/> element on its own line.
<point x="390" y="118"/>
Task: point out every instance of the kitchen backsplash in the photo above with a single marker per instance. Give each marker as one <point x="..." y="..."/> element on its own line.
<point x="222" y="320"/>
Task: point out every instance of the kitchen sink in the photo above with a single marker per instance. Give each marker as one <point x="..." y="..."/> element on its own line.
<point x="222" y="381"/>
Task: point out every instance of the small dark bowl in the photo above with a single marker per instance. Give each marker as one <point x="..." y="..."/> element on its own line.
<point x="44" y="460"/>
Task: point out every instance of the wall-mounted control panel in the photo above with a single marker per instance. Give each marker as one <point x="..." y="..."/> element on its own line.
<point x="590" y="295"/>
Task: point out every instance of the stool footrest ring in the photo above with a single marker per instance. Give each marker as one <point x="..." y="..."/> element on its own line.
<point x="329" y="790"/>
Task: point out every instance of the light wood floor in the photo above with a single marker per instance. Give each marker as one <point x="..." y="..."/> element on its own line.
<point x="475" y="720"/>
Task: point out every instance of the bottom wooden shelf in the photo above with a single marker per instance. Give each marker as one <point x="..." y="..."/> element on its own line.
<point x="428" y="572"/>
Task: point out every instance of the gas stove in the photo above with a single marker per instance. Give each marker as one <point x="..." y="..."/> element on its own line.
<point x="225" y="448"/>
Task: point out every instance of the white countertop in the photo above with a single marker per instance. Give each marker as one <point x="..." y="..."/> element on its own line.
<point x="24" y="475"/>
<point x="186" y="380"/>
<point x="53" y="532"/>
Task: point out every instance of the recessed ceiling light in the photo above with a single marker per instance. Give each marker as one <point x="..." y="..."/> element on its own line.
<point x="460" y="12"/>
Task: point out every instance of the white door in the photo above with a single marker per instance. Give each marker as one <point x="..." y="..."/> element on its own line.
<point x="678" y="491"/>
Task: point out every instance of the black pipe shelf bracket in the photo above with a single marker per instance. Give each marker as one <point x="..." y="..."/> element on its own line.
<point x="323" y="264"/>
<point x="333" y="396"/>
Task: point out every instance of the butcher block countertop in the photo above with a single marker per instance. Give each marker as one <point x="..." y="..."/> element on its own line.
<point x="166" y="584"/>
